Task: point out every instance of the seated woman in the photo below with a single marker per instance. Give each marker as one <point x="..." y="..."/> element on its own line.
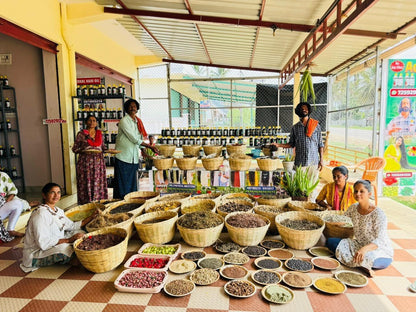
<point x="370" y="248"/>
<point x="49" y="233"/>
<point x="337" y="195"/>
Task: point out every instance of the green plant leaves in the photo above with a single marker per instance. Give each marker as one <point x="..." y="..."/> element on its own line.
<point x="301" y="183"/>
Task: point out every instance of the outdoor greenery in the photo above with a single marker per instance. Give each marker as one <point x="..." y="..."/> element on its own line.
<point x="409" y="201"/>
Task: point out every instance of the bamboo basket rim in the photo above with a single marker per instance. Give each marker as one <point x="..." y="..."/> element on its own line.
<point x="238" y="201"/>
<point x="103" y="260"/>
<point x="274" y="201"/>
<point x="131" y="195"/>
<point x="159" y="233"/>
<point x="188" y="163"/>
<point x="124" y="224"/>
<point x="135" y="212"/>
<point x="238" y="164"/>
<point x="138" y="221"/>
<point x="152" y="204"/>
<point x="212" y="163"/>
<point x="305" y="206"/>
<point x="212" y="149"/>
<point x="241" y="212"/>
<point x="247" y="236"/>
<point x="192" y="202"/>
<point x="200" y="237"/>
<point x="268" y="164"/>
<point x="85" y="207"/>
<point x="163" y="163"/>
<point x="191" y="150"/>
<point x="169" y="196"/>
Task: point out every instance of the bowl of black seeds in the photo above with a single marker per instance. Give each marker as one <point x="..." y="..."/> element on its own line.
<point x="226" y="247"/>
<point x="299" y="265"/>
<point x="266" y="277"/>
<point x="272" y="244"/>
<point x="268" y="263"/>
<point x="210" y="263"/>
<point x="193" y="255"/>
<point x="254" y="251"/>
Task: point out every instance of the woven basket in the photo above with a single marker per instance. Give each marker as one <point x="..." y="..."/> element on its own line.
<point x="166" y="205"/>
<point x="163" y="163"/>
<point x="103" y="260"/>
<point x="236" y="201"/>
<point x="247" y="236"/>
<point x="279" y="202"/>
<point x="106" y="201"/>
<point x="86" y="210"/>
<point x="236" y="149"/>
<point x="212" y="149"/>
<point x="166" y="150"/>
<point x="134" y="212"/>
<point x="212" y="163"/>
<point x="266" y="151"/>
<point x="156" y="233"/>
<point x="239" y="196"/>
<point x="268" y="164"/>
<point x="192" y="205"/>
<point x="215" y="196"/>
<point x="200" y="237"/>
<point x="191" y="150"/>
<point x="188" y="163"/>
<point x="335" y="229"/>
<point x="269" y="215"/>
<point x="298" y="239"/>
<point x="240" y="164"/>
<point x="126" y="225"/>
<point x="298" y="205"/>
<point x="147" y="195"/>
<point x="175" y="196"/>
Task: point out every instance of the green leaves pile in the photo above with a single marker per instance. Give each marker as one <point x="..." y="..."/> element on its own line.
<point x="306" y="86"/>
<point x="301" y="183"/>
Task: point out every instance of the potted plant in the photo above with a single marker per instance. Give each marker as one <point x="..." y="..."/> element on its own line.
<point x="289" y="160"/>
<point x="300" y="184"/>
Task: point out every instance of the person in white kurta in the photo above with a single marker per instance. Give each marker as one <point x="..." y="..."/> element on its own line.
<point x="50" y="234"/>
<point x="371" y="247"/>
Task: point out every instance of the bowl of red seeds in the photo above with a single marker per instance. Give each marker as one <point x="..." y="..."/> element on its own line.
<point x="151" y="262"/>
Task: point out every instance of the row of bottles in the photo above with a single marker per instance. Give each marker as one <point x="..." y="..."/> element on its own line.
<point x="219" y="132"/>
<point x="4" y="80"/>
<point x="408" y="81"/>
<point x="12" y="173"/>
<point x="109" y="138"/>
<point x="101" y="90"/>
<point x="8" y="125"/>
<point x="100" y="113"/>
<point x="12" y="150"/>
<point x="252" y="141"/>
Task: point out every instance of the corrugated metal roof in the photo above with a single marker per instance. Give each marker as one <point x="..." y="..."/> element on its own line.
<point x="235" y="45"/>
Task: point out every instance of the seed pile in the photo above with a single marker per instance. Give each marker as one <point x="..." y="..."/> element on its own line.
<point x="231" y="206"/>
<point x="266" y="277"/>
<point x="331" y="217"/>
<point x="240" y="288"/>
<point x="204" y="276"/>
<point x="163" y="206"/>
<point x="227" y="247"/>
<point x="246" y="220"/>
<point x="211" y="263"/>
<point x="142" y="279"/>
<point x="107" y="220"/>
<point x="200" y="220"/>
<point x="182" y="266"/>
<point x="301" y="225"/>
<point x="298" y="265"/>
<point x="81" y="215"/>
<point x="236" y="258"/>
<point x="149" y="263"/>
<point x="160" y="250"/>
<point x="193" y="255"/>
<point x="271" y="209"/>
<point x="254" y="251"/>
<point x="268" y="264"/>
<point x="125" y="208"/>
<point x="297" y="279"/>
<point x="198" y="206"/>
<point x="271" y="244"/>
<point x="179" y="287"/>
<point x="234" y="272"/>
<point x="174" y="196"/>
<point x="100" y="241"/>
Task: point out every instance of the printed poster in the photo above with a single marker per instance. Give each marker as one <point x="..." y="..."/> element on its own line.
<point x="399" y="177"/>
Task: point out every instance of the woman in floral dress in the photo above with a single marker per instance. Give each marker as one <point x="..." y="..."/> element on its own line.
<point x="371" y="247"/>
<point x="91" y="172"/>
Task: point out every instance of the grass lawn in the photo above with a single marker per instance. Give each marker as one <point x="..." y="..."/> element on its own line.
<point x="409" y="201"/>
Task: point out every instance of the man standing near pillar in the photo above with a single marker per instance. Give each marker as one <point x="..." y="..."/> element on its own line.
<point x="306" y="138"/>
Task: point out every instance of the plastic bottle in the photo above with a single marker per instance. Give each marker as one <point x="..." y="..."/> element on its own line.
<point x="79" y="91"/>
<point x="109" y="90"/>
<point x="12" y="150"/>
<point x="120" y="89"/>
<point x="7" y="103"/>
<point x="79" y="114"/>
<point x="115" y="91"/>
<point x="8" y="124"/>
<point x="5" y="81"/>
<point x="14" y="172"/>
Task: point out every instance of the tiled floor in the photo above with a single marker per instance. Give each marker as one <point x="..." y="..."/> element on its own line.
<point x="65" y="288"/>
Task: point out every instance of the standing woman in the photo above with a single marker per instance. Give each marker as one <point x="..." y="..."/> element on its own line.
<point x="130" y="137"/>
<point x="337" y="195"/>
<point x="371" y="247"/>
<point x="91" y="172"/>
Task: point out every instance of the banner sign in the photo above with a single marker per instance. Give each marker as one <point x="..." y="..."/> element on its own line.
<point x="399" y="177"/>
<point x="53" y="121"/>
<point x="89" y="81"/>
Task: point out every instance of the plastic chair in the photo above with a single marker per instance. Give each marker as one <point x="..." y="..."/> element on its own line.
<point x="372" y="166"/>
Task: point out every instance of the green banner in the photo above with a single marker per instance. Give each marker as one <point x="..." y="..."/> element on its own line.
<point x="400" y="134"/>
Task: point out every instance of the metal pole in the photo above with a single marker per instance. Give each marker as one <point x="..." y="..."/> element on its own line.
<point x="377" y="103"/>
<point x="346" y="106"/>
<point x="168" y="86"/>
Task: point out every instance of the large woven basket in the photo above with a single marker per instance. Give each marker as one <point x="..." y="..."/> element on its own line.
<point x="134" y="212"/>
<point x="200" y="237"/>
<point x="270" y="212"/>
<point x="239" y="196"/>
<point x="212" y="163"/>
<point x="280" y="202"/>
<point x="336" y="229"/>
<point x="268" y="164"/>
<point x="186" y="163"/>
<point x="163" y="163"/>
<point x="166" y="205"/>
<point x="247" y="236"/>
<point x="236" y="149"/>
<point x="191" y="150"/>
<point x="159" y="232"/>
<point x="298" y="239"/>
<point x="81" y="212"/>
<point x="236" y="201"/>
<point x="175" y="196"/>
<point x="166" y="149"/>
<point x="126" y="225"/>
<point x="266" y="151"/>
<point x="212" y="149"/>
<point x="147" y="195"/>
<point x="298" y="205"/>
<point x="103" y="260"/>
<point x="240" y="163"/>
<point x="194" y="204"/>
